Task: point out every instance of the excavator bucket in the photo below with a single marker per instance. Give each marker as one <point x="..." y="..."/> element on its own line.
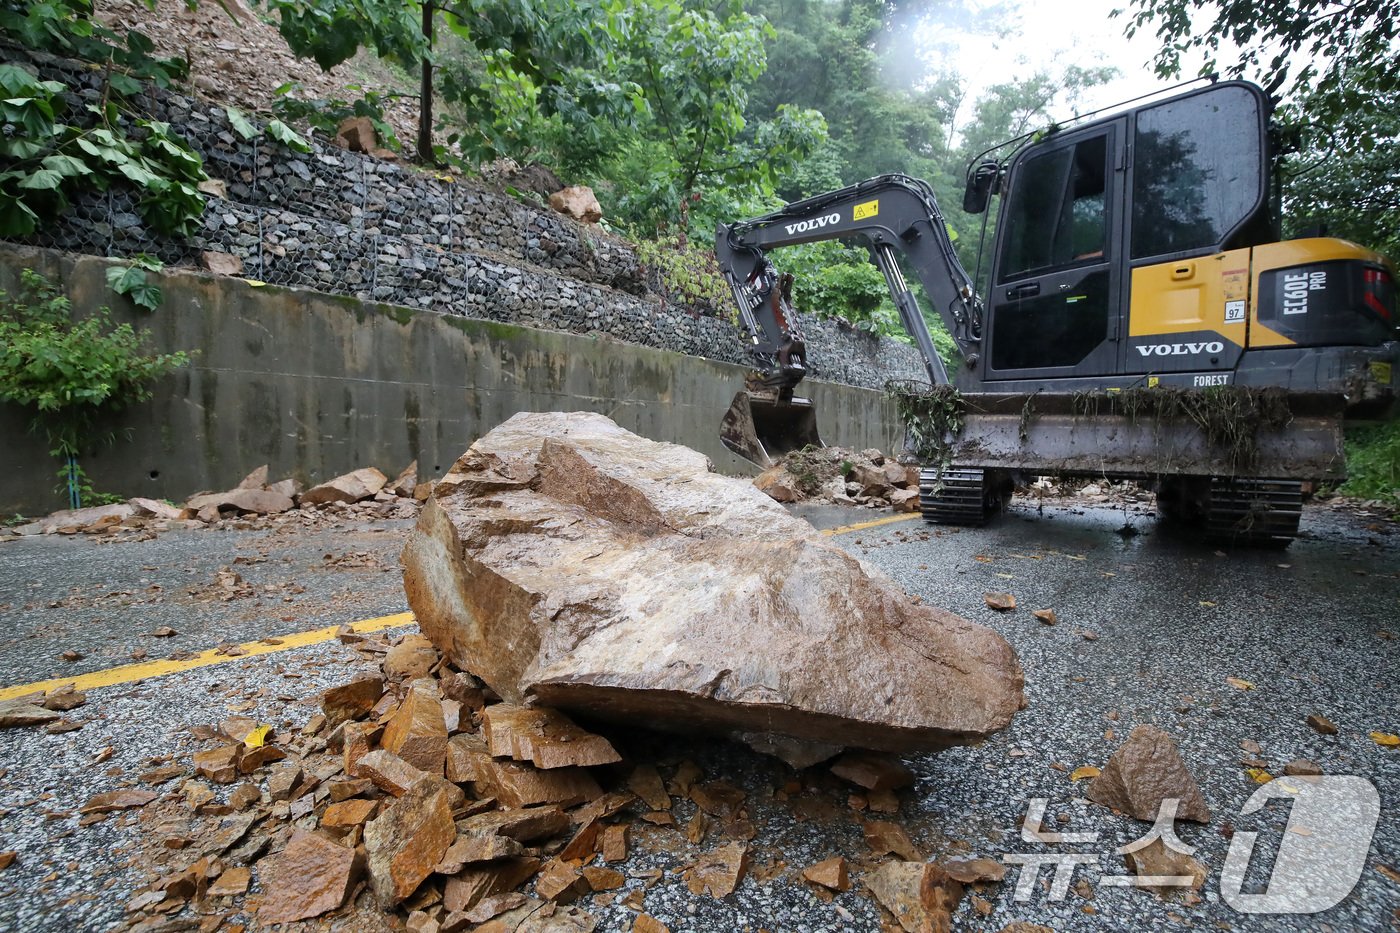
<point x="763" y="430"/>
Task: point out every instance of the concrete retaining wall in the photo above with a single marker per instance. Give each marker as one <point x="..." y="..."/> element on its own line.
<point x="315" y="385"/>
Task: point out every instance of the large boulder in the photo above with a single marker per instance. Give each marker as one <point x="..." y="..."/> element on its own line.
<point x="578" y="202"/>
<point x="570" y="563"/>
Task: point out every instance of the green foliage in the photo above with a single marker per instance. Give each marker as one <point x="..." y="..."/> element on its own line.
<point x="68" y="28"/>
<point x="1373" y="463"/>
<point x="132" y="281"/>
<point x="932" y="415"/>
<point x="646" y="98"/>
<point x="845" y="59"/>
<point x="331" y="31"/>
<point x="324" y="114"/>
<point x="69" y="372"/>
<point x="1344" y="56"/>
<point x="46" y="160"/>
<point x="287" y="136"/>
<point x="837" y="280"/>
<point x="1352" y="190"/>
<point x="688" y="274"/>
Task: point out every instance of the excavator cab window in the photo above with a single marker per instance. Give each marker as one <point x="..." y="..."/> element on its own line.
<point x="1198" y="171"/>
<point x="1056" y="215"/>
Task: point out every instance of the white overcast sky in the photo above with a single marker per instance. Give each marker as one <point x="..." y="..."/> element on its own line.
<point x="1049" y="34"/>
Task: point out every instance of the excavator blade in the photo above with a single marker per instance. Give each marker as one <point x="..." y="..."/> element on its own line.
<point x="762" y="430"/>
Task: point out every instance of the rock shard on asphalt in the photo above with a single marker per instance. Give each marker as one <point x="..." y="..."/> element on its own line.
<point x="1144" y="771"/>
<point x="569" y="563"/>
<point x="309" y="877"/>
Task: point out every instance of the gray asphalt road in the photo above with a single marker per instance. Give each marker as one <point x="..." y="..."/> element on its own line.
<point x="104" y="600"/>
<point x="1314" y="629"/>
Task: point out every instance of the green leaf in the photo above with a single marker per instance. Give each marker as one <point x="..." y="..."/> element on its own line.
<point x="41" y="180"/>
<point x="140" y="174"/>
<point x="288" y="137"/>
<point x="131" y="281"/>
<point x="19" y="148"/>
<point x="16" y="219"/>
<point x="146" y="296"/>
<point x="67" y="166"/>
<point x="241" y="123"/>
<point x="105" y="153"/>
<point x="125" y="85"/>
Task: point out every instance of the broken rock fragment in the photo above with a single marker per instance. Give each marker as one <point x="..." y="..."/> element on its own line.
<point x="1322" y="724"/>
<point x="578" y="202"/>
<point x="349" y="488"/>
<point x="114" y="800"/>
<point x="719" y="872"/>
<point x="257" y="501"/>
<point x="351" y="700"/>
<point x="520" y="785"/>
<point x="417" y="733"/>
<point x="1144" y="771"/>
<point x="64" y="700"/>
<point x="17" y="715"/>
<point x="410" y="659"/>
<point x="569" y="563"/>
<point x="310" y="877"/>
<point x="873" y="772"/>
<point x="1156" y="860"/>
<point x="474" y="848"/>
<point x="408" y="839"/>
<point x="972" y="871"/>
<point x="886" y="838"/>
<point x="1302" y="767"/>
<point x="920" y="896"/>
<point x="543" y="736"/>
<point x="832" y="873"/>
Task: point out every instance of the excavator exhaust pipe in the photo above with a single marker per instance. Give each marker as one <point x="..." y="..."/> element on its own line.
<point x="763" y="430"/>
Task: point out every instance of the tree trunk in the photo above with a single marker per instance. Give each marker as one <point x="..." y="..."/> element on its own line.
<point x="425" y="92"/>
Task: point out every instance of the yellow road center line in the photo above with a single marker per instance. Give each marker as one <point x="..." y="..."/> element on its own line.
<point x="874" y="523"/>
<point x="128" y="673"/>
<point x="144" y="670"/>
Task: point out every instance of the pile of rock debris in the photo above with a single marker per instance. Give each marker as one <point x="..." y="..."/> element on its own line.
<point x="415" y="799"/>
<point x="843" y="476"/>
<point x="253" y="503"/>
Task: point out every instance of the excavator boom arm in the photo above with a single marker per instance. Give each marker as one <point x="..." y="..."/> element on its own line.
<point x="888" y="212"/>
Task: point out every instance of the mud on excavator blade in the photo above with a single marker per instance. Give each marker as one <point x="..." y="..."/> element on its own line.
<point x="764" y="430"/>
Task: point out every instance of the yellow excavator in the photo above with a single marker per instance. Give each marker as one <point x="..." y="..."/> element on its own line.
<point x="1139" y="300"/>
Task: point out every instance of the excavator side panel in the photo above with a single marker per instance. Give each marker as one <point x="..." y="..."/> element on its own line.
<point x="1189" y="315"/>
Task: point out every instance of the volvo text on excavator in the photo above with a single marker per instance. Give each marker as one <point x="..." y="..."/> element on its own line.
<point x="1136" y="257"/>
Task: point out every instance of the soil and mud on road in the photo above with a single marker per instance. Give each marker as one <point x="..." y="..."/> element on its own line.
<point x="148" y="794"/>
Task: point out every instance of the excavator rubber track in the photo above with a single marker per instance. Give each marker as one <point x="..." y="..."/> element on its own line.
<point x="1253" y="511"/>
<point x="958" y="496"/>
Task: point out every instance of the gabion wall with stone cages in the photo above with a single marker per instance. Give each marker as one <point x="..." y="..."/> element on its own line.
<point x="351" y="224"/>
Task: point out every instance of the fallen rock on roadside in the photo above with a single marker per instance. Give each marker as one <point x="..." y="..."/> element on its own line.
<point x="842" y="476"/>
<point x="1144" y="771"/>
<point x="568" y="562"/>
<point x="253" y="503"/>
